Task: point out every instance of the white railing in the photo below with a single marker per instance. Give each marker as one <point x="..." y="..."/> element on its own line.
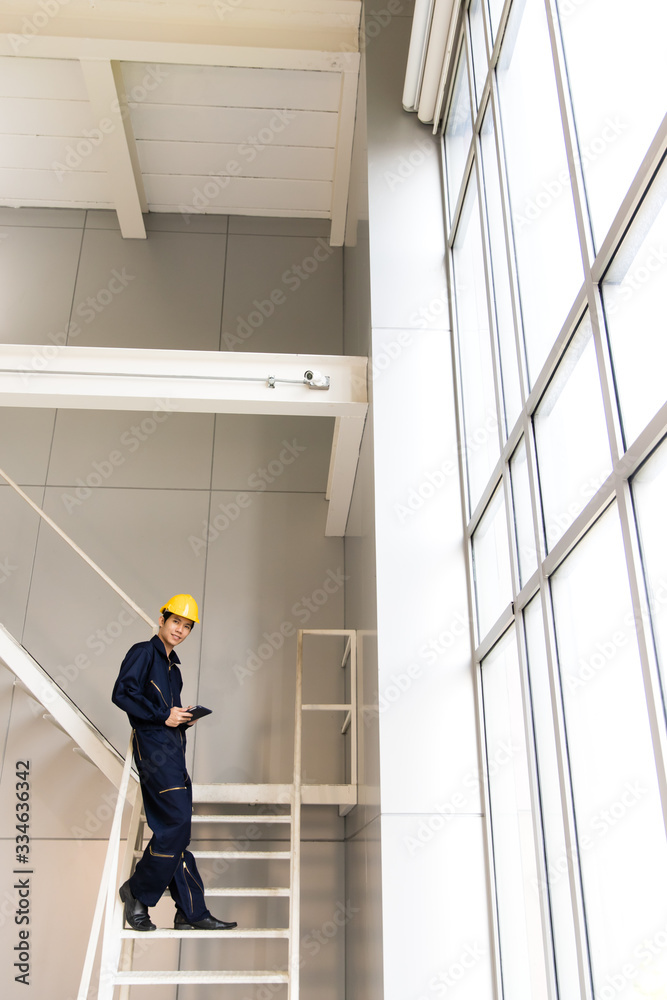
<point x="106" y="898"/>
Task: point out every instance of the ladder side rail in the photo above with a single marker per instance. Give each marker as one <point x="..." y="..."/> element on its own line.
<point x="354" y="721"/>
<point x="111" y="940"/>
<point x="295" y="860"/>
<point x="70" y="541"/>
<point x="98" y="918"/>
<point x="135" y="836"/>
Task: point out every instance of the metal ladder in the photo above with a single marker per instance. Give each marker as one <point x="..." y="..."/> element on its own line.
<point x="118" y="945"/>
<point x="285" y="801"/>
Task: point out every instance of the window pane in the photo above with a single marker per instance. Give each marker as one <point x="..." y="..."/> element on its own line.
<point x="479" y="60"/>
<point x="523" y="513"/>
<point x="615" y="55"/>
<point x="634" y="292"/>
<point x="558" y="859"/>
<point x="501" y="280"/>
<point x="545" y="234"/>
<point x="479" y="413"/>
<point x="649" y="490"/>
<point x="620" y="828"/>
<point x="571" y="434"/>
<point x="496" y="8"/>
<point x="519" y="918"/>
<point x="491" y="558"/>
<point x="458" y="131"/>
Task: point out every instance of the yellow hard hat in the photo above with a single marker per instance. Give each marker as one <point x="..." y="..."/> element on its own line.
<point x="183" y="605"/>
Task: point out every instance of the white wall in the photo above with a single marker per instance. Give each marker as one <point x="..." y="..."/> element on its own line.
<point x="418" y="845"/>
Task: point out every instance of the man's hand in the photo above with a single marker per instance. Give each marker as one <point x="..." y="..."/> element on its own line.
<point x="177" y="716"/>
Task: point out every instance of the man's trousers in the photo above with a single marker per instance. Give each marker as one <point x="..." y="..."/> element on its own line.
<point x="167" y="793"/>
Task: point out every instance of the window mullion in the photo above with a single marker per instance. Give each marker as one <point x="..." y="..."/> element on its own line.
<point x="642" y="619"/>
<point x="570" y="134"/>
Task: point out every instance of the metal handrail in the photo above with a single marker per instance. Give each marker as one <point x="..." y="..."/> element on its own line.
<point x="79" y="551"/>
<point x="106" y="897"/>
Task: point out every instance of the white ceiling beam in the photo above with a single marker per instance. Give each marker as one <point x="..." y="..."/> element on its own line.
<point x="107" y="378"/>
<point x="164" y="382"/>
<point x="347" y="110"/>
<point x="320" y="50"/>
<point x="348" y="432"/>
<point x="113" y="132"/>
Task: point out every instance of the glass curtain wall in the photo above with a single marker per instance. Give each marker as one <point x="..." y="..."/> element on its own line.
<point x="555" y="142"/>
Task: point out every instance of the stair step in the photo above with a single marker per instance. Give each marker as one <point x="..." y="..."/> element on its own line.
<point x="253" y="855"/>
<point x="221" y="818"/>
<point x="278" y="890"/>
<point x="136" y="978"/>
<point x="236" y="855"/>
<point x="235" y="932"/>
<point x="281" y="890"/>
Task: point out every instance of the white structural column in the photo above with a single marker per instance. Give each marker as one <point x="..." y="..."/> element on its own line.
<point x="342" y="471"/>
<point x="113" y="131"/>
<point x="349" y="83"/>
<point x="105" y="378"/>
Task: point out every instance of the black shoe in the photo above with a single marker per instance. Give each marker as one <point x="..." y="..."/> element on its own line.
<point x="207" y="923"/>
<point x="136" y="912"/>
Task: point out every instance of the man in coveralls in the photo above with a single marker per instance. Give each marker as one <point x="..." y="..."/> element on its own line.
<point x="148" y="688"/>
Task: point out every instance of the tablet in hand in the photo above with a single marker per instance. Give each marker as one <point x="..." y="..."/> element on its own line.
<point x="198" y="712"/>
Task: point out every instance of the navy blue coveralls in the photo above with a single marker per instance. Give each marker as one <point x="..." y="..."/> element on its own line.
<point x="148" y="687"/>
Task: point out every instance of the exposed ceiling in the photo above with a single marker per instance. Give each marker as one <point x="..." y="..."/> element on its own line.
<point x="239" y="107"/>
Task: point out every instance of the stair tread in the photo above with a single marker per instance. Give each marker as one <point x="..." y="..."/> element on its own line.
<point x="282" y="855"/>
<point x="278" y="890"/>
<point x="238" y="818"/>
<point x="252" y="855"/>
<point x="139" y="978"/>
<point x="235" y="932"/>
<point x="269" y="890"/>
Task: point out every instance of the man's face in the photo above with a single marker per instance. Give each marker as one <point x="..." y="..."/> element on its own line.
<point x="174" y="630"/>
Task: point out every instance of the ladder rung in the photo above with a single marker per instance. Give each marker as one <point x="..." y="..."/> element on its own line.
<point x="220" y="818"/>
<point x="275" y="891"/>
<point x="326" y="708"/>
<point x="252" y="855"/>
<point x="137" y="978"/>
<point x="236" y="855"/>
<point x="235" y="932"/>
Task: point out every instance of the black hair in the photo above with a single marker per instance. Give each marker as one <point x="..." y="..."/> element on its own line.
<point x="165" y="614"/>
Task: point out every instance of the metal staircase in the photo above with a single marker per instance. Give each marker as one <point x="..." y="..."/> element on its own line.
<point x="285" y="803"/>
<point x="214" y="805"/>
